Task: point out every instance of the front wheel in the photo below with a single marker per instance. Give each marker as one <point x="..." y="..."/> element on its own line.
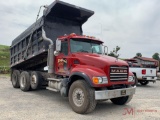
<point x="122" y="100"/>
<point x="82" y="97"/>
<point x="144" y="82"/>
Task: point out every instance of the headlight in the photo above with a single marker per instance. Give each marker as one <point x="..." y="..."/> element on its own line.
<point x="131" y="79"/>
<point x="100" y="80"/>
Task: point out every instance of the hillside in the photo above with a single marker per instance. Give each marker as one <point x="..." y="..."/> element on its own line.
<point x="4" y="57"/>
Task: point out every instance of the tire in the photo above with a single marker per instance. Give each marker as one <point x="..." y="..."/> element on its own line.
<point x="85" y="104"/>
<point x="25" y="81"/>
<point x="35" y="80"/>
<point x="144" y="82"/>
<point x="15" y="78"/>
<point x="122" y="100"/>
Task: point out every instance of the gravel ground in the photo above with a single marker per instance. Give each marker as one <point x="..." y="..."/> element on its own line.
<point x="48" y="105"/>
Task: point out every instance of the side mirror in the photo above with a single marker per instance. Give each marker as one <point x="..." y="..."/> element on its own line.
<point x="56" y="53"/>
<point x="58" y="47"/>
<point x="105" y="50"/>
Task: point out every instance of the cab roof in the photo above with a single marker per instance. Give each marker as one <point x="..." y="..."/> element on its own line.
<point x="73" y="35"/>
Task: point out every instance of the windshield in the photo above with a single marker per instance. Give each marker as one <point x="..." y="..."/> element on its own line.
<point x="85" y="45"/>
<point x="133" y="64"/>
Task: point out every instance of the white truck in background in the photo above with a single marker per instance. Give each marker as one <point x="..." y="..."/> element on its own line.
<point x="142" y="75"/>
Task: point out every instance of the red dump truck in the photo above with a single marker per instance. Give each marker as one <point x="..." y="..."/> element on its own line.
<point x="77" y="66"/>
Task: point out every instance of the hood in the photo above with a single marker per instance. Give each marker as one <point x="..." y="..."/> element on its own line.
<point x="97" y="60"/>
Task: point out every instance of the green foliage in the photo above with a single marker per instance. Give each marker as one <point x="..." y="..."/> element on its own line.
<point x="138" y="55"/>
<point x="155" y="56"/>
<point x="114" y="52"/>
<point x="4" y="58"/>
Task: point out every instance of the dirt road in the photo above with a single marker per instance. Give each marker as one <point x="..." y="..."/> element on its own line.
<point x="47" y="105"/>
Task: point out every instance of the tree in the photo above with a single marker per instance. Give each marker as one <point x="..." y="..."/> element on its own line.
<point x="114" y="52"/>
<point x="155" y="56"/>
<point x="138" y="55"/>
<point x="111" y="54"/>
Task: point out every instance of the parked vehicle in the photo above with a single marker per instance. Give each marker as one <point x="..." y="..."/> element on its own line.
<point x="142" y="75"/>
<point x="77" y="67"/>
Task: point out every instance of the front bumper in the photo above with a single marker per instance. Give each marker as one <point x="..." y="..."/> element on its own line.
<point x="108" y="94"/>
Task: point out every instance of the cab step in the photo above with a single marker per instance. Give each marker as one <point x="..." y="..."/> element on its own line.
<point x="54" y="79"/>
<point x="52" y="89"/>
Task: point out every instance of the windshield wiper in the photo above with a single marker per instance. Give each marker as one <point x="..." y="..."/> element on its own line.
<point x="99" y="53"/>
<point x="82" y="51"/>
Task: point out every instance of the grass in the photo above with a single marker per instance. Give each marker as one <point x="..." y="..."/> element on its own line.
<point x="4" y="57"/>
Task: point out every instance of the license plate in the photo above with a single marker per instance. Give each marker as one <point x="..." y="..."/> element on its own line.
<point x="123" y="92"/>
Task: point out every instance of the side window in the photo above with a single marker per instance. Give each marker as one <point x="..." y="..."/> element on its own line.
<point x="64" y="47"/>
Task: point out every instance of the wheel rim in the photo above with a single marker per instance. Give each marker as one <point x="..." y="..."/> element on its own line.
<point x="33" y="80"/>
<point x="23" y="82"/>
<point x="78" y="97"/>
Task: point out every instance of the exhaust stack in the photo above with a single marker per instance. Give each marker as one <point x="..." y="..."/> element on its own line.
<point x="50" y="60"/>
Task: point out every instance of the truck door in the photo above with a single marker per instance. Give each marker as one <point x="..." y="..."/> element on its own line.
<point x="62" y="61"/>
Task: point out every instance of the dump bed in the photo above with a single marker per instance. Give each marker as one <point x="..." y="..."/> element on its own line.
<point x="59" y="19"/>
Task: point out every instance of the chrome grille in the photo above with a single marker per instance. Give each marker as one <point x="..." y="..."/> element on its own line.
<point x="118" y="73"/>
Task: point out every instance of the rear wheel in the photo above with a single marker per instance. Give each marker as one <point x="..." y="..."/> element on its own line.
<point x="144" y="82"/>
<point x="35" y="80"/>
<point x="15" y="78"/>
<point x="122" y="100"/>
<point x="82" y="97"/>
<point x="25" y="81"/>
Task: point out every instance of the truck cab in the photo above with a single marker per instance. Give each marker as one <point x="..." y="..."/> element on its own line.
<point x="74" y="49"/>
<point x="84" y="54"/>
